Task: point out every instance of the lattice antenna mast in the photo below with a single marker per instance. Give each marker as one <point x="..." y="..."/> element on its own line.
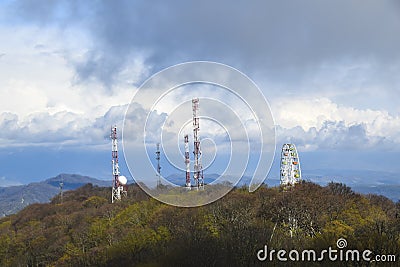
<point x="187" y="161"/>
<point x="118" y="184"/>
<point x="158" y="165"/>
<point x="198" y="169"/>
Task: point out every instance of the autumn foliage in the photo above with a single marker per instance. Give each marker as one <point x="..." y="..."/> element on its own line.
<point x="87" y="230"/>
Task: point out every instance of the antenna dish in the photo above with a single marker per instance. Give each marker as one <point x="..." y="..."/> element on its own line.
<point x="122" y="179"/>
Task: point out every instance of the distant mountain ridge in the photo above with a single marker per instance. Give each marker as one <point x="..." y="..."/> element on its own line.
<point x="15" y="198"/>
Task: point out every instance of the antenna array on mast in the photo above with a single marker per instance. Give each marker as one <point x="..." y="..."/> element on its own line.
<point x="187" y="161"/>
<point x="119" y="182"/>
<point x="198" y="168"/>
<point x="158" y="165"/>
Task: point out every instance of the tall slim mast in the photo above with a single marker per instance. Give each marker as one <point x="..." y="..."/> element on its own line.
<point x="158" y="165"/>
<point x="187" y="161"/>
<point x="198" y="169"/>
<point x="117" y="186"/>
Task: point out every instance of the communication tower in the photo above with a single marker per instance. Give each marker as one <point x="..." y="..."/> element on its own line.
<point x="198" y="169"/>
<point x="187" y="161"/>
<point x="119" y="181"/>
<point x="290" y="165"/>
<point x="158" y="165"/>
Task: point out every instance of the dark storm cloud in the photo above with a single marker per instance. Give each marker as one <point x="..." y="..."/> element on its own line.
<point x="284" y="38"/>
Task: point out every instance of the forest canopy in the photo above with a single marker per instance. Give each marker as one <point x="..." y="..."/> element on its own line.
<point x="87" y="230"/>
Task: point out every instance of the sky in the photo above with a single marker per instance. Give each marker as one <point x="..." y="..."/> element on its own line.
<point x="69" y="69"/>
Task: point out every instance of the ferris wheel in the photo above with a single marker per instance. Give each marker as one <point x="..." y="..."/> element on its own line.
<point x="290" y="165"/>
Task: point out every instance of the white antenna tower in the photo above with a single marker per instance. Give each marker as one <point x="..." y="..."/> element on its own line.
<point x="187" y="161"/>
<point x="119" y="182"/>
<point x="198" y="168"/>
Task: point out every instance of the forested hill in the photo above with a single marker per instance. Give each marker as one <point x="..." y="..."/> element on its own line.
<point x="86" y="230"/>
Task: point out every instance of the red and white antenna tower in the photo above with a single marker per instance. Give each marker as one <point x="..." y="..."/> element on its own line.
<point x="187" y="161"/>
<point x="119" y="182"/>
<point x="198" y="169"/>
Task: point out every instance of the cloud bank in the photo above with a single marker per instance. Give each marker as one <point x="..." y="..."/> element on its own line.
<point x="329" y="70"/>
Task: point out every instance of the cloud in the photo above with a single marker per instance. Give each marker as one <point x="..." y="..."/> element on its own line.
<point x="307" y="113"/>
<point x="74" y="129"/>
<point x="41" y="128"/>
<point x="36" y="76"/>
<point x="330" y="69"/>
<point x="61" y="128"/>
<point x="278" y="38"/>
<point x="322" y="124"/>
<point x="312" y="125"/>
<point x="335" y="136"/>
